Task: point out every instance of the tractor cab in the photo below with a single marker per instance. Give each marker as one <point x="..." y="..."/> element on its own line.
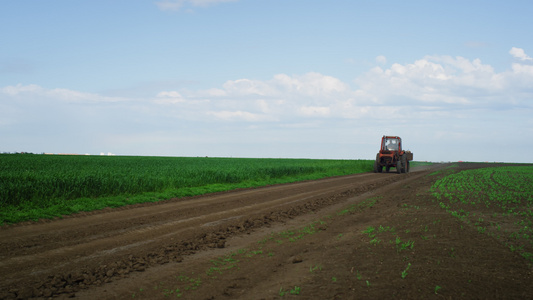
<point x="391" y="143"/>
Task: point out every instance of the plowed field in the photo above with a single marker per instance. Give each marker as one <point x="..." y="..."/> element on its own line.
<point x="307" y="240"/>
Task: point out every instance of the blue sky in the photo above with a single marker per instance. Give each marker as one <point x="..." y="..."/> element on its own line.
<point x="257" y="78"/>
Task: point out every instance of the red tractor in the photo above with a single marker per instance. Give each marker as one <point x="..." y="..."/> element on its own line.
<point x="392" y="154"/>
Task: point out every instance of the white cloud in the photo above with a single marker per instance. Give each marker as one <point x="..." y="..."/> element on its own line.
<point x="175" y="5"/>
<point x="171" y="97"/>
<point x="65" y="95"/>
<point x="172" y="94"/>
<point x="520" y="54"/>
<point x="246" y="87"/>
<point x="381" y="60"/>
<point x="19" y="88"/>
<point x="438" y="80"/>
<point x="239" y="116"/>
<point x="525" y="70"/>
<point x="430" y="86"/>
<point x="311" y="84"/>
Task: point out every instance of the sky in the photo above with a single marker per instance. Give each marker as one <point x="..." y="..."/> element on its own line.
<point x="268" y="78"/>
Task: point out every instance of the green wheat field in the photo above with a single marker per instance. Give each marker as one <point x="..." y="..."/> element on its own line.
<point x="35" y="186"/>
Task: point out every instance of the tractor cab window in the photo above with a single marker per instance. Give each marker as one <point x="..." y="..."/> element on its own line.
<point x="391" y="144"/>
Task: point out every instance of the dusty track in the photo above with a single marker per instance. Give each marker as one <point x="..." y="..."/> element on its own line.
<point x="63" y="256"/>
<point x="140" y="251"/>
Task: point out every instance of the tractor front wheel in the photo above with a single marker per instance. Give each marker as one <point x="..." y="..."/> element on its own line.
<point x="377" y="167"/>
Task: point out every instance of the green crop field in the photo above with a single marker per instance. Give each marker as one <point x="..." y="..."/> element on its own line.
<point x="48" y="186"/>
<point x="497" y="201"/>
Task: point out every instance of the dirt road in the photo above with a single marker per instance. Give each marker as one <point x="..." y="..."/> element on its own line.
<point x="171" y="249"/>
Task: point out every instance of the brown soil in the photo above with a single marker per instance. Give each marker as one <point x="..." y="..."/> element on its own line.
<point x="264" y="243"/>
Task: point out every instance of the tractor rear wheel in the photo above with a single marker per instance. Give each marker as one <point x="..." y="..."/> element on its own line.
<point x="399" y="166"/>
<point x="403" y="159"/>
